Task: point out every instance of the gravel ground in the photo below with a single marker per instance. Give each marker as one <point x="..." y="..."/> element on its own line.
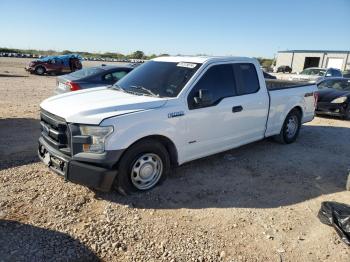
<point x="255" y="203"/>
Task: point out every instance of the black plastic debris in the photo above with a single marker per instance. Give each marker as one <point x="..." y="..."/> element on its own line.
<point x="336" y="215"/>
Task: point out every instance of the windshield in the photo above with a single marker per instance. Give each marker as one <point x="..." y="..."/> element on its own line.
<point x="154" y="78"/>
<point x="341" y="84"/>
<point x="313" y="72"/>
<point x="86" y="72"/>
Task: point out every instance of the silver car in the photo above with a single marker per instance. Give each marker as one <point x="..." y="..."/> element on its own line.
<point x="104" y="75"/>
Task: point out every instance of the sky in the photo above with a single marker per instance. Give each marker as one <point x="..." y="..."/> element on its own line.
<point x="257" y="28"/>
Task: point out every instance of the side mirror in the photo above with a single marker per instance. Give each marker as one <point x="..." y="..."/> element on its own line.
<point x="204" y="98"/>
<point x="328" y="74"/>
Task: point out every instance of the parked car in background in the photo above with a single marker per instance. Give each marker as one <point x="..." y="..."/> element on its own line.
<point x="104" y="75"/>
<point x="346" y="74"/>
<point x="268" y="76"/>
<point x="316" y="74"/>
<point x="284" y="69"/>
<point x="55" y="64"/>
<point x="133" y="65"/>
<point x="334" y="97"/>
<point x="266" y="69"/>
<point x="162" y="115"/>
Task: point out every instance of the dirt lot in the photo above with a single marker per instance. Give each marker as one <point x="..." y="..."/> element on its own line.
<point x="255" y="203"/>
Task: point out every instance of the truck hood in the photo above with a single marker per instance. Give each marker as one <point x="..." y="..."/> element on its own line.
<point x="91" y="106"/>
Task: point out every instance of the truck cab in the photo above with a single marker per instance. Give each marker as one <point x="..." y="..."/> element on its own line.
<point x="164" y="113"/>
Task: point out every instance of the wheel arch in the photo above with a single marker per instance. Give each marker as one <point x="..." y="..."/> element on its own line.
<point x="165" y="141"/>
<point x="298" y="108"/>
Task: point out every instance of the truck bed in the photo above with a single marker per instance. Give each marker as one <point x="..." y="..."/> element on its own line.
<point x="284" y="95"/>
<point x="276" y="84"/>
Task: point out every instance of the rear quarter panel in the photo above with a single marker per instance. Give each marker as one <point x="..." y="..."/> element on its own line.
<point x="284" y="100"/>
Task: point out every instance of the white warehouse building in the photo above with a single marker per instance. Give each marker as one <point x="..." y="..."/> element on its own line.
<point x="301" y="59"/>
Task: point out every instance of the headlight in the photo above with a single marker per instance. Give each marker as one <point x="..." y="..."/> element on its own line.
<point x="339" y="100"/>
<point x="98" y="136"/>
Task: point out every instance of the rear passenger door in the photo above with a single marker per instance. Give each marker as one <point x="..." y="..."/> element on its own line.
<point x="236" y="116"/>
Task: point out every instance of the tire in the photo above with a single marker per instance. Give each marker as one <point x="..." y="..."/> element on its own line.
<point x="147" y="158"/>
<point x="40" y="70"/>
<point x="291" y="128"/>
<point x="347" y="113"/>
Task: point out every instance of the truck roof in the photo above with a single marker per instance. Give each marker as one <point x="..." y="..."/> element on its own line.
<point x="201" y="59"/>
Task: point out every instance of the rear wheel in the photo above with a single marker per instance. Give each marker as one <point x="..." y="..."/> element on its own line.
<point x="142" y="167"/>
<point x="291" y="127"/>
<point x="39" y="70"/>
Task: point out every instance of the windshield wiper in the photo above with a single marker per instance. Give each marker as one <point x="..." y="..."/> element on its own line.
<point x="145" y="89"/>
<point x="119" y="88"/>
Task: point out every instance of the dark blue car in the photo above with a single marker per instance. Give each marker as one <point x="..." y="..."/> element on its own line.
<point x="99" y="76"/>
<point x="334" y="97"/>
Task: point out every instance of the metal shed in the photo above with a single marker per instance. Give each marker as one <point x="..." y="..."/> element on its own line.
<point x="301" y="59"/>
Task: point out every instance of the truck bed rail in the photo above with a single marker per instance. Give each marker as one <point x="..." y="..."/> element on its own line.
<point x="276" y="84"/>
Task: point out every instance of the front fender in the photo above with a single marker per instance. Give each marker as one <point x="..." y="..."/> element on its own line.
<point x="132" y="127"/>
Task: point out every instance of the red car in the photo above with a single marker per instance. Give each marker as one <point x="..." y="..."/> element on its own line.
<point x="55" y="65"/>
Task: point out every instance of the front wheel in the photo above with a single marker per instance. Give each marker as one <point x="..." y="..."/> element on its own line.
<point x="290" y="129"/>
<point x="347" y="113"/>
<point x="142" y="167"/>
<point x="40" y="70"/>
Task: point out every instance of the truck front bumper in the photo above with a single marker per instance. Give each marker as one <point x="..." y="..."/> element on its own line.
<point x="92" y="175"/>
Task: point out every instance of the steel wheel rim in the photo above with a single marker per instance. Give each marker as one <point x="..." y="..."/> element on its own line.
<point x="146" y="171"/>
<point x="292" y="126"/>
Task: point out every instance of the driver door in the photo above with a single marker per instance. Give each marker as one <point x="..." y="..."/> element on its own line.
<point x="233" y="111"/>
<point x="209" y="125"/>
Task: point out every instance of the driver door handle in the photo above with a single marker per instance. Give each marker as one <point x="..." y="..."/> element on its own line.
<point x="236" y="109"/>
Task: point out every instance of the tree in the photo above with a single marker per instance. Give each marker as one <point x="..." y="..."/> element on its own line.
<point x="137" y="55"/>
<point x="151" y="56"/>
<point x="66" y="52"/>
<point x="265" y="62"/>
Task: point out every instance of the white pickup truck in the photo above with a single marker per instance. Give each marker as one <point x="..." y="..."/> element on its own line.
<point x="166" y="112"/>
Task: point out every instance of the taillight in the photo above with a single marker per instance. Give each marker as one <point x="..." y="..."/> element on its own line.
<point x="73" y="86"/>
<point x="315" y="99"/>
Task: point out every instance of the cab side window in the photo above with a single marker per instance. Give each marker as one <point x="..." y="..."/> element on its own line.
<point x="217" y="83"/>
<point x="247" y="80"/>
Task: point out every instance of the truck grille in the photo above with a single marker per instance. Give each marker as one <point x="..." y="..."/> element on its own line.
<point x="55" y="131"/>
